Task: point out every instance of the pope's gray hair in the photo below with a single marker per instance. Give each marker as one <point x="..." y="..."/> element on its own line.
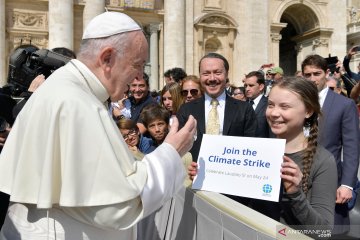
<point x="90" y="48"/>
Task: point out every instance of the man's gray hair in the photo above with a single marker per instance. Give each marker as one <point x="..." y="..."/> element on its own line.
<point x="90" y="48"/>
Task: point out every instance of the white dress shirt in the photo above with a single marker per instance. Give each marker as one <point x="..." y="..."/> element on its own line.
<point x="256" y="101"/>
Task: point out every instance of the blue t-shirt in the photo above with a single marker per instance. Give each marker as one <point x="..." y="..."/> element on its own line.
<point x="146" y="145"/>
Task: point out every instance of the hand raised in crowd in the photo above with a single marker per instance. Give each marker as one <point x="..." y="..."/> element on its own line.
<point x="36" y="83"/>
<point x="267" y="65"/>
<point x="340" y="66"/>
<point x="183" y="139"/>
<point x="192" y="170"/>
<point x="353" y="51"/>
<point x="121" y="103"/>
<point x="355" y="92"/>
<point x="291" y="175"/>
<point x="343" y="195"/>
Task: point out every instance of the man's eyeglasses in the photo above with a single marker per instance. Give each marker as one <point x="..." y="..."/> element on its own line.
<point x="131" y="133"/>
<point x="193" y="92"/>
<point x="238" y="93"/>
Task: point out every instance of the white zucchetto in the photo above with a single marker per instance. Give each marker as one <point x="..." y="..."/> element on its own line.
<point x="108" y="24"/>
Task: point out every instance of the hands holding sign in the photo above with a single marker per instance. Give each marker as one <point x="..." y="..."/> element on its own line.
<point x="192" y="170"/>
<point x="290" y="174"/>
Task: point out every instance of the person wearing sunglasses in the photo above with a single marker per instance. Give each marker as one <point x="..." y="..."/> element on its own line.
<point x="137" y="143"/>
<point x="191" y="88"/>
<point x="238" y="93"/>
<point x="334" y="85"/>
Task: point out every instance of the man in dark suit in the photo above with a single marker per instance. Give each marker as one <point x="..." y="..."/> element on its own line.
<point x="338" y="133"/>
<point x="237" y="118"/>
<point x="254" y="84"/>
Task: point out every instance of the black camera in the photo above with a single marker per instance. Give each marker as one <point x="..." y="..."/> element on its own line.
<point x="27" y="63"/>
<point x="331" y="63"/>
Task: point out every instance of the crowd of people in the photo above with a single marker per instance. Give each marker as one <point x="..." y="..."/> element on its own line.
<point x="94" y="140"/>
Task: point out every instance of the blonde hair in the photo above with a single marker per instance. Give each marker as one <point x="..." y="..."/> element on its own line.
<point x="175" y="92"/>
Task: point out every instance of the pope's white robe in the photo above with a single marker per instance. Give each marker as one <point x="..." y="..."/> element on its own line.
<point x="70" y="173"/>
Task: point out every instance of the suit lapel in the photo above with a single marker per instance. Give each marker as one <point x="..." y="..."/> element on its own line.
<point x="326" y="108"/>
<point x="230" y="108"/>
<point x="261" y="105"/>
<point x="199" y="114"/>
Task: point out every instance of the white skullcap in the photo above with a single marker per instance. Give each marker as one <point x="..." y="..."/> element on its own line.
<point x="108" y="24"/>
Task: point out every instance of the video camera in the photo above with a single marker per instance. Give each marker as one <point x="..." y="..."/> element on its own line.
<point x="331" y="63"/>
<point x="27" y="63"/>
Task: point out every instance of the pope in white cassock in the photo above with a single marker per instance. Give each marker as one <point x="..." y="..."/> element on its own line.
<point x="67" y="168"/>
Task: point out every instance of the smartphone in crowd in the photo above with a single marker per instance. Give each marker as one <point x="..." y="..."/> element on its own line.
<point x="356" y="49"/>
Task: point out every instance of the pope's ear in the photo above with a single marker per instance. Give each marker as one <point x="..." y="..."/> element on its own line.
<point x="106" y="57"/>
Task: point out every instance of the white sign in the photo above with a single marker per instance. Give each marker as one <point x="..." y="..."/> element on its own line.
<point x="242" y="166"/>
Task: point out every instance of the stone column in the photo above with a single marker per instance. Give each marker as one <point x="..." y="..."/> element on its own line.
<point x="174" y="34"/>
<point x="61" y="24"/>
<point x="275" y="36"/>
<point x="154" y="56"/>
<point x="299" y="55"/>
<point x="3" y="59"/>
<point x="92" y="8"/>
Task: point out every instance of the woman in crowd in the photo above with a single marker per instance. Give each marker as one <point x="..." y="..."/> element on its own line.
<point x="171" y="98"/>
<point x="191" y="88"/>
<point x="238" y="93"/>
<point x="308" y="171"/>
<point x="138" y="144"/>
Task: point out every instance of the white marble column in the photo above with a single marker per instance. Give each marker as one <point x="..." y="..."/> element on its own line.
<point x="154" y="56"/>
<point x="174" y="34"/>
<point x="61" y="24"/>
<point x="3" y="60"/>
<point x="92" y="8"/>
<point x="275" y="36"/>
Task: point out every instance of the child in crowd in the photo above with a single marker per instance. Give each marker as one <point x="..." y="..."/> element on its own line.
<point x="138" y="144"/>
<point x="156" y="120"/>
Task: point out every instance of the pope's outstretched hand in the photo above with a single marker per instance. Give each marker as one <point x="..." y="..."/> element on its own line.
<point x="183" y="139"/>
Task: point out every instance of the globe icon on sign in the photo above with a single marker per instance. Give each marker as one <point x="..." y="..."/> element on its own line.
<point x="267" y="188"/>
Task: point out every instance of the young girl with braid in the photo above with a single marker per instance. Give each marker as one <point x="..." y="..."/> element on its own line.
<point x="308" y="172"/>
